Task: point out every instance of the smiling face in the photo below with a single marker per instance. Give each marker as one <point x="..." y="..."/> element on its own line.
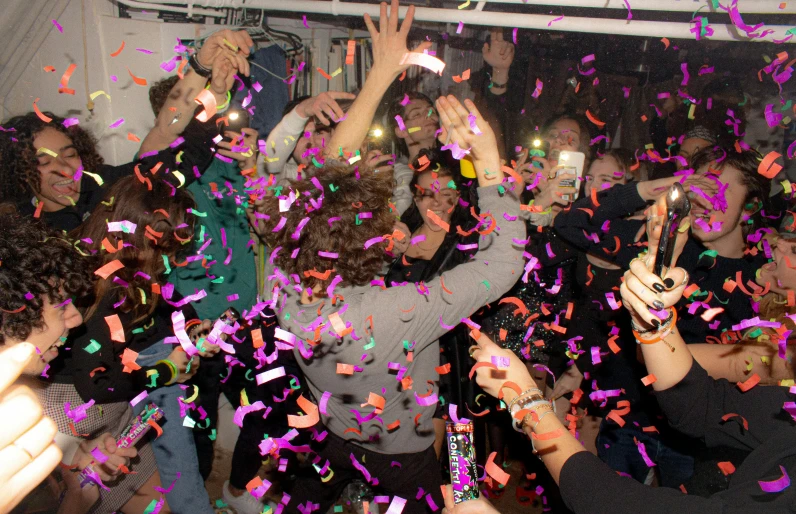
<point x="604" y="173"/>
<point x="435" y="196"/>
<point x="781" y="273"/>
<point x="57" y="323"/>
<point x="564" y="134"/>
<point x="57" y="189"/>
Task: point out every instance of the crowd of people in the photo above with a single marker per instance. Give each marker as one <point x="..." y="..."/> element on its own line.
<point x="349" y="303"/>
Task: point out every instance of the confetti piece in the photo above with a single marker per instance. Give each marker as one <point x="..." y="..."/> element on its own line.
<point x="109" y="269"/>
<point x="138" y="80"/>
<point x="777" y="485"/>
<point x="350" y="52"/>
<point x="425" y="60"/>
<point x="95" y="94"/>
<point x="463" y="77"/>
<point x="345" y="369"/>
<point x="117" y="52"/>
<point x="304" y="21"/>
<point x="749" y="383"/>
<point x="554" y="20"/>
<point x="665" y="42"/>
<point x="116" y="123"/>
<point x="460" y="27"/>
<point x="128" y="360"/>
<point x="726" y="467"/>
<point x="464" y="5"/>
<point x="767" y="167"/>
<point x="133" y="137"/>
<point x="594" y="120"/>
<point x="138" y="399"/>
<point x="538" y="90"/>
<point x="324" y="74"/>
<point x="208" y="101"/>
<point x="437" y="220"/>
<point x="49" y="69"/>
<point x="495" y="471"/>
<point x="649" y="380"/>
<point x="41" y="116"/>
<point x="115" y="325"/>
<point x="58" y="26"/>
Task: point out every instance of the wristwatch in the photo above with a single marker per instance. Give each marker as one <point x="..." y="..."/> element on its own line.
<point x="198" y="68"/>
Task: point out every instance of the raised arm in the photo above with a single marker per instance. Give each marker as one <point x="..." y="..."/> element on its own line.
<point x="693" y="402"/>
<point x="223" y="48"/>
<point x="389" y="49"/>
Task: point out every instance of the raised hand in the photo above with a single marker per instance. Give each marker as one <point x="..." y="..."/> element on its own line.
<point x="492" y="380"/>
<point x="27" y="453"/>
<point x="498" y="53"/>
<point x="323" y="105"/>
<point x="236" y="45"/>
<point x="223" y="75"/>
<point x="464" y="125"/>
<point x="643" y="291"/>
<point x="389" y="42"/>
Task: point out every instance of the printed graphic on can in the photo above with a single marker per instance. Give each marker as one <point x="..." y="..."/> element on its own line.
<point x="463" y="469"/>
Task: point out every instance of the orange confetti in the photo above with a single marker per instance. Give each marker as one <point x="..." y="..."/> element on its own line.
<point x="438" y="221"/>
<point x="65" y="80"/>
<point x="133" y="137"/>
<point x="444" y="369"/>
<point x="665" y="42"/>
<point x="727" y="468"/>
<point x="350" y="52"/>
<point x="711" y="313"/>
<point x="464" y="76"/>
<point x="649" y="379"/>
<point x="309" y="419"/>
<point x="767" y="167"/>
<point x="117" y="52"/>
<point x="49" y="69"/>
<point x="496" y="471"/>
<point x="117" y="330"/>
<point x="41" y="116"/>
<point x="594" y="120"/>
<point x="109" y="269"/>
<point x="324" y="74"/>
<point x="138" y="80"/>
<point x="257" y="338"/>
<point x="345" y="369"/>
<point x="749" y="383"/>
<point x="128" y="360"/>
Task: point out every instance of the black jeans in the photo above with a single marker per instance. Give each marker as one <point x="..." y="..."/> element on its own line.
<point x="416" y="470"/>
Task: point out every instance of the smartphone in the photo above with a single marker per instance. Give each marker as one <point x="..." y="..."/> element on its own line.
<point x="571" y="163"/>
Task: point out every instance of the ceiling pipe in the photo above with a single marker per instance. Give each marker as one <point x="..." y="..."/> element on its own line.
<point x="675" y="30"/>
<point x="690" y="6"/>
<point x="162" y="7"/>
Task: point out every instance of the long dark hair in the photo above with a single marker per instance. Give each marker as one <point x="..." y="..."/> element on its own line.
<point x="164" y="228"/>
<point x="447" y="256"/>
<point x="19" y="175"/>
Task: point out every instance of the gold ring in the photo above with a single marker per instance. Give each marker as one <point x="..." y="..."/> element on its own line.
<point x="23" y="449"/>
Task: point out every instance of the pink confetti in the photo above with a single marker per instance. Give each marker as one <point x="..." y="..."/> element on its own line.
<point x="404" y="103"/>
<point x="514" y="35"/>
<point x="138" y="399"/>
<point x="328" y="255"/>
<point x="554" y="20"/>
<point x="145" y="51"/>
<point x="68" y="122"/>
<point x="116" y="123"/>
<point x="400" y="121"/>
<point x="304" y="21"/>
<point x="58" y="26"/>
<point x="460" y="27"/>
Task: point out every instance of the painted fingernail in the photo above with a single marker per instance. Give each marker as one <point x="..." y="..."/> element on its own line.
<point x="658" y="305"/>
<point x="656" y="322"/>
<point x="659" y="287"/>
<point x="669" y="283"/>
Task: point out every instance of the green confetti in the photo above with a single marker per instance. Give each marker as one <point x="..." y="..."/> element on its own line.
<point x="487" y="285"/>
<point x="370" y="345"/>
<point x="138" y="330"/>
<point x="248" y="372"/>
<point x="151" y="507"/>
<point x="221" y="504"/>
<point x="198" y="213"/>
<point x="212" y="435"/>
<point x="754" y="334"/>
<point x="333" y="188"/>
<point x="316" y="163"/>
<point x="338" y="508"/>
<point x="153" y="379"/>
<point x="93" y="346"/>
<point x="358" y="221"/>
<point x="219" y="280"/>
<point x="451" y="185"/>
<point x="166" y="263"/>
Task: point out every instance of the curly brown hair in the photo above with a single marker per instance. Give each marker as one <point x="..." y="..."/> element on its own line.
<point x="19" y="176"/>
<point x="333" y="225"/>
<point x="35" y="263"/>
<point x="159" y="92"/>
<point x="163" y="228"/>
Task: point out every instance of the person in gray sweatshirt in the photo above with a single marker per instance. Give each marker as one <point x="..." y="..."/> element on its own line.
<point x="369" y="353"/>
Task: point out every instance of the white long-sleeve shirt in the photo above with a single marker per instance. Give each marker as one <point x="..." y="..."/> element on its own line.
<point x="279" y="145"/>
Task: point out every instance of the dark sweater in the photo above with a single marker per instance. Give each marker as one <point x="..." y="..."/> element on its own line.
<point x="695" y="407"/>
<point x="617" y="245"/>
<point x="112" y="384"/>
<point x="195" y="154"/>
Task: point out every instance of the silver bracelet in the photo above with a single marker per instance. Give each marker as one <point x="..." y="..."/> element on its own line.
<point x="529" y="390"/>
